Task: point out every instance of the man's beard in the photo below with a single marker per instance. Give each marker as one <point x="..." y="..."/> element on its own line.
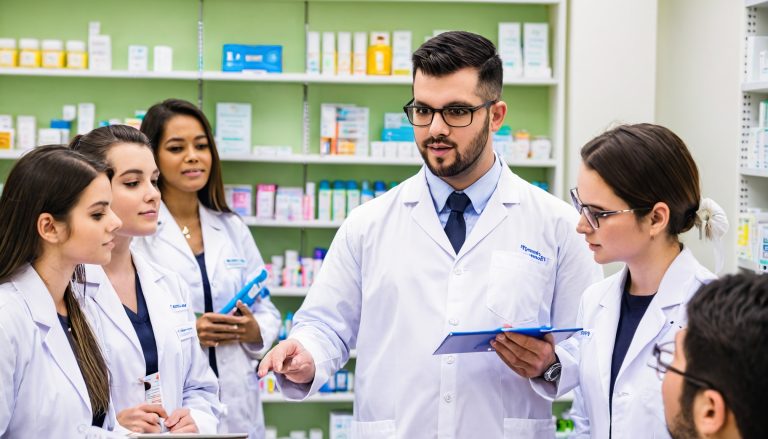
<point x="682" y="426"/>
<point x="461" y="162"/>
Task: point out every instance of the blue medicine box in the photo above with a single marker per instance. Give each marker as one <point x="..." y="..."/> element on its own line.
<point x="239" y="57"/>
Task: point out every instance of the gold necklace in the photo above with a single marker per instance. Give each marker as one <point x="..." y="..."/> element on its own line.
<point x="186" y="232"/>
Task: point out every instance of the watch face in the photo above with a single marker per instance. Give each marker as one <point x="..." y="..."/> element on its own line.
<point x="553" y="373"/>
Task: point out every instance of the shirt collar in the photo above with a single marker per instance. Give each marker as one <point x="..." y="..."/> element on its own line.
<point x="478" y="192"/>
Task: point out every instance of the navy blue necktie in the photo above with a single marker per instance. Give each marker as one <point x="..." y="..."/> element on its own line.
<point x="456" y="228"/>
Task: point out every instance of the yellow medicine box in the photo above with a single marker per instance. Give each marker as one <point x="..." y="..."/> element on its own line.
<point x="9" y="56"/>
<point x="29" y="53"/>
<point x="53" y="54"/>
<point x="77" y="57"/>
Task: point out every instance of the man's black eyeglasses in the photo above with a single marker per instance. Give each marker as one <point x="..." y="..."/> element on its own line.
<point x="454" y="116"/>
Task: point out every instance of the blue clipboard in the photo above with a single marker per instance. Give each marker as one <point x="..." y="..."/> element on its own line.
<point x="480" y="341"/>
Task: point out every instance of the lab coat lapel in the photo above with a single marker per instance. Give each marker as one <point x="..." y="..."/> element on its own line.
<point x="43" y="310"/>
<point x="157" y="303"/>
<point x="496" y="210"/>
<point x="673" y="290"/>
<point x="173" y="236"/>
<point x="107" y="300"/>
<point x="214" y="240"/>
<point x="604" y="332"/>
<point x="423" y="213"/>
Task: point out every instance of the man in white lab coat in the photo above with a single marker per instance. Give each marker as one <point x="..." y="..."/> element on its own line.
<point x="464" y="244"/>
<point x="714" y="375"/>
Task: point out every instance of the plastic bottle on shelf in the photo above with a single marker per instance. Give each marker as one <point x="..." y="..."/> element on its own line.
<point x="317" y="261"/>
<point x="277" y="271"/>
<point x="339" y="201"/>
<point x="53" y="54"/>
<point x="379" y="188"/>
<point x="324" y="201"/>
<point x="308" y="203"/>
<point x="392" y="184"/>
<point x="9" y="56"/>
<point x="307" y="273"/>
<point x="366" y="193"/>
<point x="29" y="52"/>
<point x="77" y="56"/>
<point x="353" y="195"/>
<point x="379" y="55"/>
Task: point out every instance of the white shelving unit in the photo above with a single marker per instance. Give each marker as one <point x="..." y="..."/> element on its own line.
<point x="346" y="397"/>
<point x="318" y="397"/>
<point x="291" y="78"/>
<point x="114" y="74"/>
<point x="753" y="184"/>
<point x="298" y="224"/>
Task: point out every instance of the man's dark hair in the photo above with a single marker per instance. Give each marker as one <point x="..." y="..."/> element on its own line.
<point x="727" y="345"/>
<point x="450" y="52"/>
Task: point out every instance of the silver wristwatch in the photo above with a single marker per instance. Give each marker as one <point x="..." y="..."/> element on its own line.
<point x="552" y="374"/>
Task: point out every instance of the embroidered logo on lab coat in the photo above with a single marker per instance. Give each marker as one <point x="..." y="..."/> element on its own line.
<point x="179" y="307"/>
<point x="234" y="263"/>
<point x="534" y="254"/>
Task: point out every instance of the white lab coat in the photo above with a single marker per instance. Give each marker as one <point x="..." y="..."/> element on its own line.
<point x="586" y="358"/>
<point x="231" y="260"/>
<point x="43" y="393"/>
<point x="392" y="286"/>
<point x="186" y="380"/>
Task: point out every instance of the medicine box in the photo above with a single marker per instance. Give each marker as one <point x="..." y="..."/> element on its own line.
<point x="240" y="57"/>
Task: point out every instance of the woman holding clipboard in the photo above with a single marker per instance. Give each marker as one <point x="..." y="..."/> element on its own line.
<point x="638" y="190"/>
<point x="213" y="250"/>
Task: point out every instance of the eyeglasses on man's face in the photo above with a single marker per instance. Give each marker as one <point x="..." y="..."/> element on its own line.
<point x="456" y="116"/>
<point x="664" y="354"/>
<point x="592" y="215"/>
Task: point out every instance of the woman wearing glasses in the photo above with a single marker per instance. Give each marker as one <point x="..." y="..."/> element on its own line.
<point x="638" y="190"/>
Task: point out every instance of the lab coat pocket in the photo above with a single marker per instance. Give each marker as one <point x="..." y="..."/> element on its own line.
<point x="652" y="404"/>
<point x="528" y="428"/>
<point x="374" y="430"/>
<point x="516" y="286"/>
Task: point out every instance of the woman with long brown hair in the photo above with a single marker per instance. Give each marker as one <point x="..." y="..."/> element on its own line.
<point x="55" y="215"/>
<point x="148" y="329"/>
<point x="214" y="252"/>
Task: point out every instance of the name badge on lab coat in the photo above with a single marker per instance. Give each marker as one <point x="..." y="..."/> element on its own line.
<point x="232" y="263"/>
<point x="152" y="391"/>
<point x="179" y="307"/>
<point x="186" y="331"/>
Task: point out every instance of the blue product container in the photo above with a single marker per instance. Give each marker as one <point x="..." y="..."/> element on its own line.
<point x="240" y="57"/>
<point x="379" y="188"/>
<point x="61" y="124"/>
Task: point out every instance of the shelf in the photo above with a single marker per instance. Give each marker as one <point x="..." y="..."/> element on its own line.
<point x="746" y="264"/>
<point x="318" y="397"/>
<point x="293" y="78"/>
<point x="11" y="154"/>
<point x="753" y="172"/>
<point x="288" y="291"/>
<point x="756" y="3"/>
<point x="317" y="159"/>
<point x="755" y="87"/>
<point x="303" y="224"/>
<point x="306" y="78"/>
<point x="73" y="73"/>
<point x="348" y="397"/>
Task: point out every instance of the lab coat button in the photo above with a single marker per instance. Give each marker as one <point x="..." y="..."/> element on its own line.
<point x="448" y="397"/>
<point x="458" y="271"/>
<point x="454" y="322"/>
<point x="450" y="359"/>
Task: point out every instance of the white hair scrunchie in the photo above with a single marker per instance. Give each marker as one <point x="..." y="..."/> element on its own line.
<point x="713" y="227"/>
